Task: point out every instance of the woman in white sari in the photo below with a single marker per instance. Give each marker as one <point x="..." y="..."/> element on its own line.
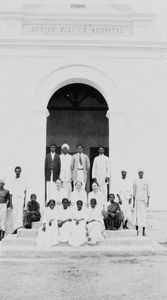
<point x="78" y="194"/>
<point x="48" y="233"/>
<point x="78" y="230"/>
<point x="65" y="221"/>
<point x="95" y="223"/>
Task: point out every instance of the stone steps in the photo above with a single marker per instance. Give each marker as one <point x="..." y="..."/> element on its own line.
<point x="117" y="243"/>
<point x="28" y="240"/>
<point x="83" y="251"/>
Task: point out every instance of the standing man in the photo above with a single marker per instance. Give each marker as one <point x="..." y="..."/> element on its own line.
<point x="80" y="166"/>
<point x="141" y="197"/>
<point x="4" y="204"/>
<point x="125" y="197"/>
<point x="101" y="171"/>
<point x="52" y="169"/>
<point x="18" y="197"/>
<point x="65" y="172"/>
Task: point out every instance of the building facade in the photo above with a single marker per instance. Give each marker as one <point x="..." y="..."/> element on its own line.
<point x="90" y="72"/>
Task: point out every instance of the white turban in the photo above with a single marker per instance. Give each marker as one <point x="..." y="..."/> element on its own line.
<point x="65" y="146"/>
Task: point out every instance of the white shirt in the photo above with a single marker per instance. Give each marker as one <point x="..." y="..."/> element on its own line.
<point x="65" y="172"/>
<point x="52" y="155"/>
<point x="17" y="187"/>
<point x="125" y="189"/>
<point x="101" y="168"/>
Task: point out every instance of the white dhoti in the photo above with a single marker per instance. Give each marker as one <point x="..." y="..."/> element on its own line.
<point x="18" y="203"/>
<point x="140" y="213"/>
<point x="125" y="207"/>
<point x="49" y="237"/>
<point x="94" y="230"/>
<point x="3" y="216"/>
<point x="78" y="234"/>
<point x="67" y="187"/>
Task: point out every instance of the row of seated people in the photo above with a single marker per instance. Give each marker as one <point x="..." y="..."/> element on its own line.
<point x="75" y="224"/>
<point x="58" y="193"/>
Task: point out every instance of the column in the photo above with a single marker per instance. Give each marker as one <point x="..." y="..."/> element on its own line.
<point x="36" y="134"/>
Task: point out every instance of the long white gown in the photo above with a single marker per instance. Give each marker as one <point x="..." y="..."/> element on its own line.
<point x="96" y="227"/>
<point x="17" y="190"/>
<point x="125" y="192"/>
<point x="78" y="231"/>
<point x="65" y="230"/>
<point x="49" y="237"/>
<point x="140" y="192"/>
<point x="66" y="173"/>
<point x="101" y="170"/>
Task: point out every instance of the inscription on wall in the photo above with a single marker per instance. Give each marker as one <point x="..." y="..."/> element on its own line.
<point x="48" y="28"/>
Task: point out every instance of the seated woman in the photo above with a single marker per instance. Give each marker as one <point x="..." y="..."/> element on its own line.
<point x="114" y="216"/>
<point x="98" y="195"/>
<point x="78" y="193"/>
<point x="78" y="225"/>
<point x="64" y="221"/>
<point x="58" y="193"/>
<point x="48" y="233"/>
<point x="95" y="223"/>
<point x="32" y="214"/>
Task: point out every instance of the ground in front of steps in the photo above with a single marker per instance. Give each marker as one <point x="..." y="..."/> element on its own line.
<point x="84" y="278"/>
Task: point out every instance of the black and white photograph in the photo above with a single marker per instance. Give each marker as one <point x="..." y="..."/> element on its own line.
<point x="83" y="154"/>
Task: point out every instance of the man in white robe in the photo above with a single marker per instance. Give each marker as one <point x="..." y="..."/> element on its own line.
<point x="18" y="197"/>
<point x="125" y="197"/>
<point x="65" y="170"/>
<point x="101" y="171"/>
<point x="141" y="197"/>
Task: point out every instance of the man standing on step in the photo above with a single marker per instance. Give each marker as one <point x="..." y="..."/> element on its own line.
<point x="125" y="197"/>
<point x="65" y="172"/>
<point x="4" y="204"/>
<point x="101" y="171"/>
<point x="52" y="170"/>
<point x="18" y="197"/>
<point x="80" y="166"/>
<point x="141" y="197"/>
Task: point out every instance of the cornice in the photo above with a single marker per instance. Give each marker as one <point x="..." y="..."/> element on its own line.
<point x="99" y="44"/>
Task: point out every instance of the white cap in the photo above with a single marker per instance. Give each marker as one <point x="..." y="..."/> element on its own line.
<point x="65" y="146"/>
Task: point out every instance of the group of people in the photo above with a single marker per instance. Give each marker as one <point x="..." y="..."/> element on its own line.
<point x="74" y="216"/>
<point x="72" y="168"/>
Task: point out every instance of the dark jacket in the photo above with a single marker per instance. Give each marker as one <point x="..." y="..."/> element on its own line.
<point x="52" y="165"/>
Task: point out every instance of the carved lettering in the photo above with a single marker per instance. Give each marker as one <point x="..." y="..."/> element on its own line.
<point x="56" y="29"/>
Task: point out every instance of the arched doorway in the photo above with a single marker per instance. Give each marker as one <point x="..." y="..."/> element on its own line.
<point x="77" y="115"/>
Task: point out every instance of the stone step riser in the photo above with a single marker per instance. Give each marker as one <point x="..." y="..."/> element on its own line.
<point x="79" y="254"/>
<point x="29" y="233"/>
<point x="115" y="242"/>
